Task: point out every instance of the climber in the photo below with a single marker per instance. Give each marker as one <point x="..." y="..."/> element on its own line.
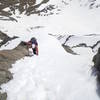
<point x="33" y="46"/>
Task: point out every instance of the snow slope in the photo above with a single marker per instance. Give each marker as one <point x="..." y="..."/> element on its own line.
<point x="54" y="74"/>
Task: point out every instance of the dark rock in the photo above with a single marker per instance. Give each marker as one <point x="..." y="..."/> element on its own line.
<point x="67" y="39"/>
<point x="3" y="35"/>
<point x="96" y="60"/>
<point x="4" y="65"/>
<point x="27" y="6"/>
<point x="3" y="96"/>
<point x="5" y="38"/>
<point x="69" y="50"/>
<point x="5" y="76"/>
<point x="7" y="58"/>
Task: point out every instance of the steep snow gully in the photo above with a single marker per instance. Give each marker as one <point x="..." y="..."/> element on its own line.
<point x="54" y="74"/>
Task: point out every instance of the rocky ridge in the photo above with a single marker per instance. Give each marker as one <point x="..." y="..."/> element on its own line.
<point x="7" y="58"/>
<point x="8" y="8"/>
<point x="28" y="7"/>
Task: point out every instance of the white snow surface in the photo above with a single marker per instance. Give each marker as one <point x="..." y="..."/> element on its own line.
<point x="54" y="74"/>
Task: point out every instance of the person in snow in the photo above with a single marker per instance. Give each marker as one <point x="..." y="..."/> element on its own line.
<point x="33" y="46"/>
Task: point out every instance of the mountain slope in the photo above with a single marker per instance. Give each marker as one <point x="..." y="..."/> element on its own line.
<point x="54" y="74"/>
<point x="49" y="77"/>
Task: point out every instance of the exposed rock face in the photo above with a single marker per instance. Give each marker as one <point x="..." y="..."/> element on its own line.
<point x="96" y="60"/>
<point x="96" y="69"/>
<point x="27" y="6"/>
<point x="3" y="96"/>
<point x="69" y="50"/>
<point x="5" y="38"/>
<point x="7" y="58"/>
<point x="15" y="4"/>
<point x="30" y="6"/>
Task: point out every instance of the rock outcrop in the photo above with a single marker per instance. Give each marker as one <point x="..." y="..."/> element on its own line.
<point x="96" y="60"/>
<point x="5" y="38"/>
<point x="96" y="69"/>
<point x="7" y="58"/>
<point x="9" y="7"/>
